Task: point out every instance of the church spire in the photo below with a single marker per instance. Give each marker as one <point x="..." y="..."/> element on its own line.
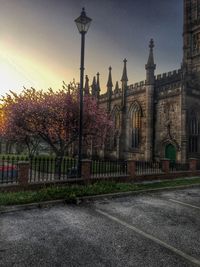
<point x="86" y="89"/>
<point x="94" y="85"/>
<point x="109" y="83"/>
<point x="98" y="89"/>
<point x="150" y="66"/>
<point x="116" y="87"/>
<point x="109" y="88"/>
<point x="124" y="74"/>
<point x="150" y="62"/>
<point x="124" y="81"/>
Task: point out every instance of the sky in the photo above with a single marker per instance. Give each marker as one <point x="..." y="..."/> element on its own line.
<point x="40" y="43"/>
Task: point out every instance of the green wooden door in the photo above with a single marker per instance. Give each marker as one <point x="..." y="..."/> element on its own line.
<point x="170" y="152"/>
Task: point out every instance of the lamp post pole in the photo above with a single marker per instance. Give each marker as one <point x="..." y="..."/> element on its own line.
<point x="82" y="23"/>
<point x="81" y="104"/>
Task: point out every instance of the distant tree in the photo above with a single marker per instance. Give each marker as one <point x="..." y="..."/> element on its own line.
<point x="54" y="118"/>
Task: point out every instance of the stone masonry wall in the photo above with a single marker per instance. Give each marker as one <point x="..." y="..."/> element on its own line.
<point x="135" y="94"/>
<point x="168" y="123"/>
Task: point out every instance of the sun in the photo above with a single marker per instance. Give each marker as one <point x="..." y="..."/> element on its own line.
<point x="10" y="77"/>
<point x="19" y="70"/>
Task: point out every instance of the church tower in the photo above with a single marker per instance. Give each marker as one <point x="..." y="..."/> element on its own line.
<point x="191" y="36"/>
<point x="191" y="81"/>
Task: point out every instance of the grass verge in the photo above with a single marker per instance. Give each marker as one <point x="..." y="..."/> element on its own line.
<point x="70" y="193"/>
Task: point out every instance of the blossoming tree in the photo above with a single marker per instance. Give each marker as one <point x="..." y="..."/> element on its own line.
<point x="53" y="117"/>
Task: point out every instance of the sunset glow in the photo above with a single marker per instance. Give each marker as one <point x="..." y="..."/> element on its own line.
<point x="18" y="71"/>
<point x="40" y="44"/>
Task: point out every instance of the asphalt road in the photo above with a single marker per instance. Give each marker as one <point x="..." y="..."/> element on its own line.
<point x="157" y="229"/>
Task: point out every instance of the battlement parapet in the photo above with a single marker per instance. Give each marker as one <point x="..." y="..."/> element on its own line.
<point x="115" y="94"/>
<point x="168" y="77"/>
<point x="137" y="86"/>
<point x="169" y="74"/>
<point x="164" y="82"/>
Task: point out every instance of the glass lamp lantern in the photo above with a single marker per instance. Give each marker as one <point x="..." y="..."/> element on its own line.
<point x="83" y="22"/>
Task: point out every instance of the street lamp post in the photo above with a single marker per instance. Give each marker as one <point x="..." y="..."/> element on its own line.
<point x="82" y="23"/>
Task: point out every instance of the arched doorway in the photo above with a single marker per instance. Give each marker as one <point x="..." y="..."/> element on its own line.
<point x="170" y="152"/>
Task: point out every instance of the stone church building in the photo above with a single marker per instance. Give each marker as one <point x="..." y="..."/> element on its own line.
<point x="158" y="117"/>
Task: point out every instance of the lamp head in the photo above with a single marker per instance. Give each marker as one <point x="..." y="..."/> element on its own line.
<point x="83" y="22"/>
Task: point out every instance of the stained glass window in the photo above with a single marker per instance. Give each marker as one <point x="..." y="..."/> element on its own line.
<point x="117" y="120"/>
<point x="135" y="126"/>
<point x="193" y="132"/>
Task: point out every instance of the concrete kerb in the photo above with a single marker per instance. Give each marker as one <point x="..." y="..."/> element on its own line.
<point x="30" y="206"/>
<point x="130" y="193"/>
<point x="86" y="199"/>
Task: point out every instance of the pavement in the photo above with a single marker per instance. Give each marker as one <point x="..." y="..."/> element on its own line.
<point x="152" y="229"/>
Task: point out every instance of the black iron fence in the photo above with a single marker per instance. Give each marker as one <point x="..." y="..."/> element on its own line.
<point x="45" y="169"/>
<point x="50" y="169"/>
<point x="177" y="167"/>
<point x="108" y="168"/>
<point x="9" y="168"/>
<point x="198" y="165"/>
<point x="148" y="167"/>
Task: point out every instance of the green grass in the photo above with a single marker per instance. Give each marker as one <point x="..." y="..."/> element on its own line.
<point x="70" y="193"/>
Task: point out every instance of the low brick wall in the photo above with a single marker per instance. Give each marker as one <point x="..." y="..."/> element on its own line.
<point x="121" y="179"/>
<point x="131" y="176"/>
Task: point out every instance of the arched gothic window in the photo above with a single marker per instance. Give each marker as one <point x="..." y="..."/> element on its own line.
<point x="135" y="125"/>
<point x="117" y="127"/>
<point x="117" y="120"/>
<point x="194" y="8"/>
<point x="193" y="132"/>
<point x="117" y="124"/>
<point x="198" y="10"/>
